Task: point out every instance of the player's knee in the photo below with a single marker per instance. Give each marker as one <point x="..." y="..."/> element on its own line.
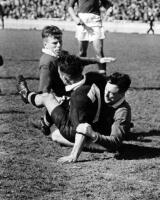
<point x="47" y="97"/>
<point x="55" y="135"/>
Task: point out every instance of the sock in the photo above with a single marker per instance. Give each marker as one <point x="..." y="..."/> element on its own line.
<point x="47" y="119"/>
<point x="31" y="99"/>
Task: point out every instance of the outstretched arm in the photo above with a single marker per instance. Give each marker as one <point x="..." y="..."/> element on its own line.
<point x="76" y="151"/>
<point x="88" y="61"/>
<point x="82" y="110"/>
<point x="113" y="140"/>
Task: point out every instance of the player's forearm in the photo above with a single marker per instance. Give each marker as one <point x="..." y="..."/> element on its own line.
<point x="72" y="14"/>
<point x="88" y="61"/>
<point x="114" y="139"/>
<point x="109" y="142"/>
<point x="78" y="146"/>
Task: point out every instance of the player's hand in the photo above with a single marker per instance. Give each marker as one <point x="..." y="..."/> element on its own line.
<point x="89" y="29"/>
<point x="67" y="159"/>
<point x="86" y="129"/>
<point x="83" y="128"/>
<point x="79" y="21"/>
<point x="106" y="60"/>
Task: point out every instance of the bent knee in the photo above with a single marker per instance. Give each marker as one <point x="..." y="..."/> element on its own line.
<point x="55" y="135"/>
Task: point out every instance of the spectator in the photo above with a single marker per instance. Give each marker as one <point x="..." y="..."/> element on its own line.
<point x="139" y="10"/>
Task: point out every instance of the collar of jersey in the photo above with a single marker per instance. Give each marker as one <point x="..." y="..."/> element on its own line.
<point x="118" y="103"/>
<point x="47" y="51"/>
<point x="74" y="86"/>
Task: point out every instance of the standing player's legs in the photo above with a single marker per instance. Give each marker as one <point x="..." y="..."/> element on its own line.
<point x="1" y="60"/>
<point x="2" y="20"/>
<point x="98" y="47"/>
<point x="83" y="46"/>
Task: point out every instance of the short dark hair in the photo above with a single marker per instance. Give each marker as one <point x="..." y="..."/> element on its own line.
<point x="123" y="81"/>
<point x="51" y="31"/>
<point x="70" y="64"/>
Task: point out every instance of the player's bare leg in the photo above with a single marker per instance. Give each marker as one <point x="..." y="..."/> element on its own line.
<point x="83" y="46"/>
<point x="57" y="137"/>
<point x="98" y="47"/>
<point x="39" y="100"/>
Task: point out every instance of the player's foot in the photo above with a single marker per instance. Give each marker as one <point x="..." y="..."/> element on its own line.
<point x="44" y="127"/>
<point x="22" y="88"/>
<point x="1" y="60"/>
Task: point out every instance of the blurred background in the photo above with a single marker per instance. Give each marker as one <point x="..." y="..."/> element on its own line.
<point x="134" y="10"/>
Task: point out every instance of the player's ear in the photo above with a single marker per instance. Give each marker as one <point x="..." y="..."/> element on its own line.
<point x="45" y="42"/>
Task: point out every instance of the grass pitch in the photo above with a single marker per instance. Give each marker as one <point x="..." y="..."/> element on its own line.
<point x="28" y="167"/>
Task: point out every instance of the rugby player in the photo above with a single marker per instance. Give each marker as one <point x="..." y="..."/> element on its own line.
<point x="83" y="107"/>
<point x="89" y="26"/>
<point x="115" y="120"/>
<point x="49" y="79"/>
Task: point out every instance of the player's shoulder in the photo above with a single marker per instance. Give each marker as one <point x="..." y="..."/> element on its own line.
<point x="86" y="93"/>
<point x="81" y="91"/>
<point x="96" y="78"/>
<point x="92" y="76"/>
<point x="46" y="58"/>
<point x="47" y="61"/>
<point x="79" y="97"/>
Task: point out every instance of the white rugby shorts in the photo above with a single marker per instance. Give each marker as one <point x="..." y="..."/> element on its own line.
<point x="93" y="28"/>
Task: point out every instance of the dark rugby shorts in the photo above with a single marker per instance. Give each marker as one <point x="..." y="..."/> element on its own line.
<point x="60" y="117"/>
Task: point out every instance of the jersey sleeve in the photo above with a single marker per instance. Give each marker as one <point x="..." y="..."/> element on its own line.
<point x="44" y="74"/>
<point x="48" y="76"/>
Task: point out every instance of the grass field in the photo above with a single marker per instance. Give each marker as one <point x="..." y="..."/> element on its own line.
<point x="28" y="167"/>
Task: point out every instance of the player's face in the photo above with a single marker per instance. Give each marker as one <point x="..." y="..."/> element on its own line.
<point x="111" y="94"/>
<point x="54" y="44"/>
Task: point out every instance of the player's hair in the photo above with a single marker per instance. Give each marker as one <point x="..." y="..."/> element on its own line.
<point x="71" y="65"/>
<point x="51" y="31"/>
<point x="123" y="81"/>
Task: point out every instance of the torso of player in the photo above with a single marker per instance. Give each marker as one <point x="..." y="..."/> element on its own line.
<point x="55" y="83"/>
<point x="86" y="101"/>
<point x="87" y="6"/>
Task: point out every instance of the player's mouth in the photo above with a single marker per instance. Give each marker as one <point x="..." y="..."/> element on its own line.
<point x="57" y="51"/>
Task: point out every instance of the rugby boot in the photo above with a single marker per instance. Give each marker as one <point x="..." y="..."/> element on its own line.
<point x="44" y="127"/>
<point x="22" y="88"/>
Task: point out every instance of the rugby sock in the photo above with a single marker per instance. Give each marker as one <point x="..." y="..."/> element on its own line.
<point x="31" y="99"/>
<point x="47" y="119"/>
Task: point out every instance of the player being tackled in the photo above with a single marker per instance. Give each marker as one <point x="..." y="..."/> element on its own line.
<point x="86" y="98"/>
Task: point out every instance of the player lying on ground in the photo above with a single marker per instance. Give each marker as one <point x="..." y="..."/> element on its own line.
<point x="86" y="106"/>
<point x="48" y="70"/>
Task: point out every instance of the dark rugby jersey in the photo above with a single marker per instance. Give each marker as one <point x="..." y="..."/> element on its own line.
<point x="87" y="100"/>
<point x="84" y="106"/>
<point x="90" y="6"/>
<point x="86" y="6"/>
<point x="49" y="77"/>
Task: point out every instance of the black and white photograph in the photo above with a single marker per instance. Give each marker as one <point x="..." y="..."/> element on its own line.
<point x="79" y="99"/>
